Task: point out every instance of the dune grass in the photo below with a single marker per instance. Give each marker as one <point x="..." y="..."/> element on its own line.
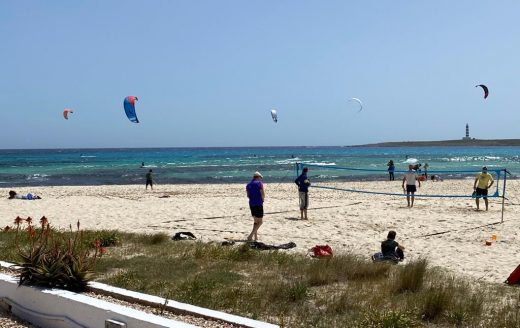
<point x="293" y="290"/>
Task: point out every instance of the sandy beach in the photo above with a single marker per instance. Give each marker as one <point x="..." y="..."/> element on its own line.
<point x="349" y="222"/>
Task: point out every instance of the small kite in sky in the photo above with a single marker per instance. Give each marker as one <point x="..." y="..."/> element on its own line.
<point x="66" y="113"/>
<point x="486" y="90"/>
<point x="359" y="102"/>
<point x="274" y="115"/>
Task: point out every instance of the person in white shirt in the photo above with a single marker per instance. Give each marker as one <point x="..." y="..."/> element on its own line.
<point x="410" y="177"/>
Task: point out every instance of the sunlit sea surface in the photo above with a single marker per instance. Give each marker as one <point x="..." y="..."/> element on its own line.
<point x="225" y="165"/>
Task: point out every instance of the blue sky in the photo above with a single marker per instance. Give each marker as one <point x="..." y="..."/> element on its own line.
<point x="207" y="73"/>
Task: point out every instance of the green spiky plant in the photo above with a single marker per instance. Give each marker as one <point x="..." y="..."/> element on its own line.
<point x="56" y="260"/>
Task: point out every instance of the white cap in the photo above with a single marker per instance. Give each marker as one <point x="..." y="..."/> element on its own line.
<point x="257" y="174"/>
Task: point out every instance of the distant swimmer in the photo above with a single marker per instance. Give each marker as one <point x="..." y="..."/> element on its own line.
<point x="142" y="164"/>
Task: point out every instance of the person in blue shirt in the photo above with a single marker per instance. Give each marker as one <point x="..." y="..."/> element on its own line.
<point x="256" y="195"/>
<point x="391" y="170"/>
<point x="14" y="195"/>
<point x="303" y="189"/>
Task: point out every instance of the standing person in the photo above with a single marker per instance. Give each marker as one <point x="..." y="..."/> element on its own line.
<point x="426" y="166"/>
<point x="303" y="189"/>
<point x="256" y="195"/>
<point x="410" y="177"/>
<point x="391" y="170"/>
<point x="149" y="180"/>
<point x="391" y="249"/>
<point x="482" y="183"/>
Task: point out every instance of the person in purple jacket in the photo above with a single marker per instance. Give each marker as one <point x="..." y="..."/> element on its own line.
<point x="256" y="195"/>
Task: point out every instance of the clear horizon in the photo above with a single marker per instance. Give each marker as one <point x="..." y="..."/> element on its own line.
<point x="207" y="73"/>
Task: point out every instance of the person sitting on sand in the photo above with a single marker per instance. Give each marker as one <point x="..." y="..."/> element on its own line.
<point x="391" y="249"/>
<point x="29" y="196"/>
<point x="435" y="177"/>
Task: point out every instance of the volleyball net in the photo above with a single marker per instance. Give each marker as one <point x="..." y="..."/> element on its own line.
<point x="347" y="179"/>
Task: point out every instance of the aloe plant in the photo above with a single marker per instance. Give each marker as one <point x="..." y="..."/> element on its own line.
<point x="56" y="260"/>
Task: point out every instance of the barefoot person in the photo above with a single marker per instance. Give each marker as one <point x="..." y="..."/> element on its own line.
<point x="410" y="178"/>
<point x="303" y="184"/>
<point x="14" y="195"/>
<point x="149" y="180"/>
<point x="482" y="183"/>
<point x="391" y="170"/>
<point x="256" y="195"/>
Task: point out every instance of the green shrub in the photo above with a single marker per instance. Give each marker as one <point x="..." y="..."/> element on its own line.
<point x="108" y="238"/>
<point x="437" y="299"/>
<point x="411" y="276"/>
<point x="387" y="319"/>
<point x="55" y="260"/>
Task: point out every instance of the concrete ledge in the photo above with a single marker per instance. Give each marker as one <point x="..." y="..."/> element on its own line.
<point x="56" y="308"/>
<point x="176" y="307"/>
<point x="60" y="308"/>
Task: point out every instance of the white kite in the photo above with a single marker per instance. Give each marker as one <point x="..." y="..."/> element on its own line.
<point x="359" y="102"/>
<point x="274" y="115"/>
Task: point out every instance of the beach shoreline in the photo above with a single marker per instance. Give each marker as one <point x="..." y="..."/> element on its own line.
<point x="349" y="222"/>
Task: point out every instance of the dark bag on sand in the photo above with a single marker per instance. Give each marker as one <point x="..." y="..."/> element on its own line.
<point x="185" y="235"/>
<point x="261" y="246"/>
<point x="514" y="277"/>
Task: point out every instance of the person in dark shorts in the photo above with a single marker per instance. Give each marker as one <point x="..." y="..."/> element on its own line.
<point x="303" y="184"/>
<point x="482" y="183"/>
<point x="410" y="178"/>
<point x="391" y="249"/>
<point x="256" y="195"/>
<point x="149" y="180"/>
<point x="391" y="170"/>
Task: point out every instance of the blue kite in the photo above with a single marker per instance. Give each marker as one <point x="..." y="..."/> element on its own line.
<point x="129" y="105"/>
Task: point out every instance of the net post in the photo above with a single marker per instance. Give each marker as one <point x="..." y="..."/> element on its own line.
<point x="297" y="168"/>
<point x="503" y="196"/>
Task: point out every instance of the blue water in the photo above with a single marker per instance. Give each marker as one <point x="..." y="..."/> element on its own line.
<point x="222" y="165"/>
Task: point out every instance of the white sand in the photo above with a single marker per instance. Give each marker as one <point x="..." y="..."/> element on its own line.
<point x="346" y="221"/>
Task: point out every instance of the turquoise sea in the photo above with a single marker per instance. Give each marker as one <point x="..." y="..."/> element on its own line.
<point x="223" y="165"/>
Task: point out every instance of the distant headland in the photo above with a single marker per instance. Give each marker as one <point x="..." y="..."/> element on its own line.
<point x="449" y="143"/>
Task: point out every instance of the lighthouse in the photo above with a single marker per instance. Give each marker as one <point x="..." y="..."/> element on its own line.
<point x="467" y="133"/>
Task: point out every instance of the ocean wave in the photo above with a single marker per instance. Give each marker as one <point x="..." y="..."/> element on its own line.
<point x="87" y="156"/>
<point x="36" y="176"/>
<point x="410" y="160"/>
<point x="470" y="158"/>
<point x="321" y="163"/>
